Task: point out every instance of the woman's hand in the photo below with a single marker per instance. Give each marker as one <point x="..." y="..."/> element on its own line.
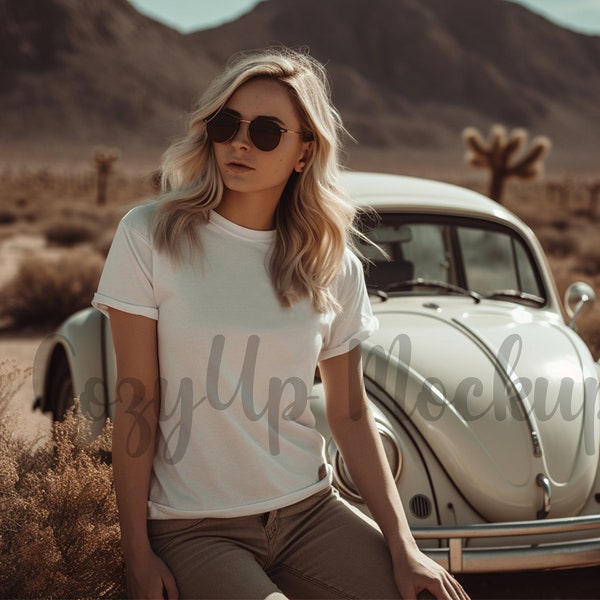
<point x="416" y="572"/>
<point x="149" y="577"/>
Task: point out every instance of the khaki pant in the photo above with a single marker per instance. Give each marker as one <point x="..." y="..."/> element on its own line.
<point x="317" y="548"/>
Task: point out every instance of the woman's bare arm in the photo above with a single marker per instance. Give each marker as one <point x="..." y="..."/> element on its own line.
<point x="137" y="404"/>
<point x="353" y="428"/>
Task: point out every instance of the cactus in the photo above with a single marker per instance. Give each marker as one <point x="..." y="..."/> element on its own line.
<point x="104" y="160"/>
<point x="500" y="154"/>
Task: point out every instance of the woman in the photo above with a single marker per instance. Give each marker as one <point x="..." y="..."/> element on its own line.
<point x="224" y="295"/>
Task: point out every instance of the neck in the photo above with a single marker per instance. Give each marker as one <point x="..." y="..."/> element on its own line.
<point x="249" y="210"/>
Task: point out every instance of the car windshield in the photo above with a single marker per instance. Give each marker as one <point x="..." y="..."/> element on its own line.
<point x="419" y="254"/>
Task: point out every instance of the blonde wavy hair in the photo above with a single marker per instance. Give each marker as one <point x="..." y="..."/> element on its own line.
<point x="314" y="219"/>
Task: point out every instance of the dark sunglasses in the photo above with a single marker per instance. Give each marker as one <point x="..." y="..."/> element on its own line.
<point x="264" y="133"/>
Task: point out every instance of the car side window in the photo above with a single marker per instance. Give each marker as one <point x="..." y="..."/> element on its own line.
<point x="495" y="260"/>
<point x="427" y="252"/>
<point x="529" y="282"/>
<point x="387" y="240"/>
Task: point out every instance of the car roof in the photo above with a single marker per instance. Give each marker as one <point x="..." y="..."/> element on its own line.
<point x="387" y="192"/>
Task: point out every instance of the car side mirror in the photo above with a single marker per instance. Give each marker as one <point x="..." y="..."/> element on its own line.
<point x="578" y="297"/>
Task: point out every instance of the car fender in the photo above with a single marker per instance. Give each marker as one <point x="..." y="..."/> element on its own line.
<point x="82" y="340"/>
<point x="414" y="480"/>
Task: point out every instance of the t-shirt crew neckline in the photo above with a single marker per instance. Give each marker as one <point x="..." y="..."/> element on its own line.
<point x="252" y="235"/>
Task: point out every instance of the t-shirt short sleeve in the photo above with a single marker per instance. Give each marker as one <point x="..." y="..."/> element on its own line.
<point x="354" y="322"/>
<point x="126" y="281"/>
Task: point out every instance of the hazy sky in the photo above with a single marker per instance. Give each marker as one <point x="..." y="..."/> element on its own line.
<point x="191" y="15"/>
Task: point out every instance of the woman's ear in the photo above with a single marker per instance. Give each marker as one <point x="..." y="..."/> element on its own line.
<point x="307" y="152"/>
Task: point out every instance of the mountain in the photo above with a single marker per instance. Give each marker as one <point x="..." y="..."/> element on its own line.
<point x="417" y="71"/>
<point x="406" y="74"/>
<point x="77" y="73"/>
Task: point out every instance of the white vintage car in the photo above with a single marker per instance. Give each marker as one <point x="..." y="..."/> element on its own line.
<point x="486" y="400"/>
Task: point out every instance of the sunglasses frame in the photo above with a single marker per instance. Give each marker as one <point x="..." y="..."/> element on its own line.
<point x="250" y="123"/>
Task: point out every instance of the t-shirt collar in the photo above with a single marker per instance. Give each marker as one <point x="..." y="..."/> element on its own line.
<point x="232" y="228"/>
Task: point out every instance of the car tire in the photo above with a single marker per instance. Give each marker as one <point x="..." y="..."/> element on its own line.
<point x="59" y="392"/>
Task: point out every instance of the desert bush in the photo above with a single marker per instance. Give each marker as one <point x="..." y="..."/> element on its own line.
<point x="47" y="289"/>
<point x="59" y="532"/>
<point x="73" y="225"/>
<point x="9" y="215"/>
<point x="588" y="259"/>
<point x="561" y="223"/>
<point x="69" y="232"/>
<point x="558" y="243"/>
<point x="11" y="381"/>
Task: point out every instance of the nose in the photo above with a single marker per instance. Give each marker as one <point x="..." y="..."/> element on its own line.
<point x="242" y="135"/>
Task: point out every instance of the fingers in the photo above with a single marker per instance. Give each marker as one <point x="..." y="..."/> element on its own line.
<point x="453" y="589"/>
<point x="170" y="587"/>
<point x="421" y="577"/>
<point x="445" y="587"/>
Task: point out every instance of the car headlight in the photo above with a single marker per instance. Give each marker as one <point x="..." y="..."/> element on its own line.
<point x="341" y="475"/>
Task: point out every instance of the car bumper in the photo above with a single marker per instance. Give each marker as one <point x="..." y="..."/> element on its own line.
<point x="518" y="546"/>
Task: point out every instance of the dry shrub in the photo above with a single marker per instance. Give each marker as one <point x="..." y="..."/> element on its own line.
<point x="59" y="532"/>
<point x="588" y="260"/>
<point x="69" y="231"/>
<point x="561" y="223"/>
<point x="11" y="381"/>
<point x="68" y="223"/>
<point x="48" y="289"/>
<point x="8" y="215"/>
<point x="558" y="243"/>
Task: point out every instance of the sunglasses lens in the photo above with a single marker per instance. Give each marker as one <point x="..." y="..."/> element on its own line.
<point x="222" y="127"/>
<point x="265" y="134"/>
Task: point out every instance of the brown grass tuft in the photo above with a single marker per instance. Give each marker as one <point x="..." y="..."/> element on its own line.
<point x="8" y="215"/>
<point x="59" y="533"/>
<point x="588" y="259"/>
<point x="70" y="232"/>
<point x="47" y="289"/>
<point x="558" y="243"/>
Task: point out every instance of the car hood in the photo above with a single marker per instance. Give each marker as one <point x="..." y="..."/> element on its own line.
<point x="499" y="393"/>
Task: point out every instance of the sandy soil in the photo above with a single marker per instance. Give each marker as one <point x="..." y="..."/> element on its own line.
<point x="13" y="250"/>
<point x="21" y="348"/>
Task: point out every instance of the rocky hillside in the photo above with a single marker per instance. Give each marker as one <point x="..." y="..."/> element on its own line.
<point x="406" y="73"/>
<point x="422" y="68"/>
<point x="76" y="72"/>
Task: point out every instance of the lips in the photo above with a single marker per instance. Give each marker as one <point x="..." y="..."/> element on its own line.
<point x="239" y="166"/>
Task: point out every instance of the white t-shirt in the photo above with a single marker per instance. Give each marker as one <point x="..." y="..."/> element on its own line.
<point x="236" y="433"/>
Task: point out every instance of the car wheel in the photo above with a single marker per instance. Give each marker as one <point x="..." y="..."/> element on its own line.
<point x="59" y="392"/>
